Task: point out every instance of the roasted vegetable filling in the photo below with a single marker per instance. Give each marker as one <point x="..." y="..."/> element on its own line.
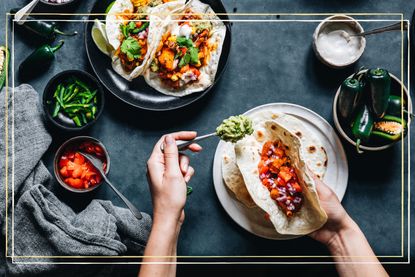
<point x="183" y="51"/>
<point x="134" y="46"/>
<point x="277" y="173"/>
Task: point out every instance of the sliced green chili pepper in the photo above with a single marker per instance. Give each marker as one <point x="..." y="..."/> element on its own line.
<point x="56" y="109"/>
<point x="389" y="128"/>
<point x="379" y="86"/>
<point x="77" y="121"/>
<point x="189" y="190"/>
<point x="45" y="30"/>
<point x="36" y="61"/>
<point x="142" y="28"/>
<point x="4" y="65"/>
<point x="349" y="97"/>
<point x="362" y="127"/>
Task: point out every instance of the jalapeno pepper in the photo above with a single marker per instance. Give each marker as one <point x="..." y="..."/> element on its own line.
<point x="36" y="61"/>
<point x="389" y="128"/>
<point x="45" y="30"/>
<point x="349" y="97"/>
<point x="4" y="63"/>
<point x="395" y="106"/>
<point x="362" y="126"/>
<point x="379" y="85"/>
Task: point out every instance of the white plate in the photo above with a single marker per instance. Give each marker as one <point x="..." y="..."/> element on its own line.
<point x="336" y="175"/>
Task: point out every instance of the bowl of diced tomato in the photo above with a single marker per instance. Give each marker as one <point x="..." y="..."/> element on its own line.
<point x="73" y="171"/>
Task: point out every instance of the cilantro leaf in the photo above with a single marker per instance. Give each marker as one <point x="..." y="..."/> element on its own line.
<point x="131" y="48"/>
<point x="124" y="30"/>
<point x="184" y="60"/>
<point x="184" y="42"/>
<point x="194" y="55"/>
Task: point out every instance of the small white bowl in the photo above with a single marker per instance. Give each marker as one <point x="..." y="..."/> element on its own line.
<point x="395" y="82"/>
<point x="336" y="19"/>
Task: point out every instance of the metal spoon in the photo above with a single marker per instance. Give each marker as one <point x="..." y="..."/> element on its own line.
<point x="98" y="166"/>
<point x="24" y="12"/>
<point x="393" y="27"/>
<point x="182" y="144"/>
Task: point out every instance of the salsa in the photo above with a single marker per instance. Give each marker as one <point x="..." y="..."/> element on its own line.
<point x="183" y="51"/>
<point x="277" y="173"/>
<point x="78" y="172"/>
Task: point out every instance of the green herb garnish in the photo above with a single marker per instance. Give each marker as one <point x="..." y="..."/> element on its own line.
<point x="131" y="48"/>
<point x="184" y="42"/>
<point x="131" y="28"/>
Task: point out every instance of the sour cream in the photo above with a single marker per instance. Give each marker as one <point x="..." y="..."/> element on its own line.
<point x="336" y="44"/>
<point x="182" y="31"/>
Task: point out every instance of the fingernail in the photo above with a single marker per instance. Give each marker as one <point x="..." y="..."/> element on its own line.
<point x="169" y="140"/>
<point x="185" y="167"/>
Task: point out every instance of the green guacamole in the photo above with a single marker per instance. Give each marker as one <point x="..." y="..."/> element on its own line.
<point x="234" y="128"/>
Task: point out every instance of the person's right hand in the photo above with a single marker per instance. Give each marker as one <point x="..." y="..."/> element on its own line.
<point x="168" y="173"/>
<point x="338" y="219"/>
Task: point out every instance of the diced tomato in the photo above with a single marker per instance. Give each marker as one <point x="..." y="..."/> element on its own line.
<point x="266" y="148"/>
<point x="286" y="176"/>
<point x="76" y="171"/>
<point x="281" y="182"/>
<point x="79" y="159"/>
<point x="263" y="170"/>
<point x="297" y="187"/>
<point x="64" y="172"/>
<point x="76" y="183"/>
<point x="63" y="161"/>
<point x="274" y="194"/>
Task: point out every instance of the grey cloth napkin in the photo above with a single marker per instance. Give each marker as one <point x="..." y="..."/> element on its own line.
<point x="43" y="225"/>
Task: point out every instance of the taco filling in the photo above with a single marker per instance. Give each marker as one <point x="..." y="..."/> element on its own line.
<point x="183" y="51"/>
<point x="133" y="47"/>
<point x="277" y="174"/>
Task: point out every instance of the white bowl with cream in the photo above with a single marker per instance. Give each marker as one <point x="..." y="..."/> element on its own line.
<point x="334" y="43"/>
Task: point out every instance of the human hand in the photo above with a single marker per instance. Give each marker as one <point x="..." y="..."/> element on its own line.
<point x="338" y="219"/>
<point x="168" y="172"/>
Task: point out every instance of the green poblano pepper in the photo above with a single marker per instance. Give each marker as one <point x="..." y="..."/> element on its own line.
<point x="235" y="128"/>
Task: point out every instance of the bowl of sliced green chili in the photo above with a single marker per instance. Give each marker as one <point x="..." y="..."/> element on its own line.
<point x="73" y="100"/>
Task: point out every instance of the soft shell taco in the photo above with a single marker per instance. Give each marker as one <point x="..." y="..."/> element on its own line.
<point x="311" y="150"/>
<point x="187" y="55"/>
<point x="277" y="178"/>
<point x="133" y="28"/>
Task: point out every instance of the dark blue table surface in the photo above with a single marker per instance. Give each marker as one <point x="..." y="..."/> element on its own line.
<point x="269" y="62"/>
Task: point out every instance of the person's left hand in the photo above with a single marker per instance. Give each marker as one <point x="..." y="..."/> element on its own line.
<point x="168" y="173"/>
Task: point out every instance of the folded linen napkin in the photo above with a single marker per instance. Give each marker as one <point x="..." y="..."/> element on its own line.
<point x="43" y="225"/>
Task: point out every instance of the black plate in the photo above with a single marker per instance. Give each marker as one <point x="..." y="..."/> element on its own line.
<point x="137" y="93"/>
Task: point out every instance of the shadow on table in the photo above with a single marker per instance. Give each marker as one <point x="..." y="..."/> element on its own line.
<point x="155" y="120"/>
<point x="324" y="75"/>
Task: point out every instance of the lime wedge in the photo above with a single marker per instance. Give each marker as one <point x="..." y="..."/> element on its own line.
<point x="99" y="37"/>
<point x="109" y="7"/>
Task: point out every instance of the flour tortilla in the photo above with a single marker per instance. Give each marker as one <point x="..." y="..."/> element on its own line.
<point x="311" y="216"/>
<point x="156" y="15"/>
<point x="311" y="148"/>
<point x="208" y="72"/>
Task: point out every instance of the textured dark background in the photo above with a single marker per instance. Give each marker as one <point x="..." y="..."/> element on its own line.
<point x="269" y="62"/>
